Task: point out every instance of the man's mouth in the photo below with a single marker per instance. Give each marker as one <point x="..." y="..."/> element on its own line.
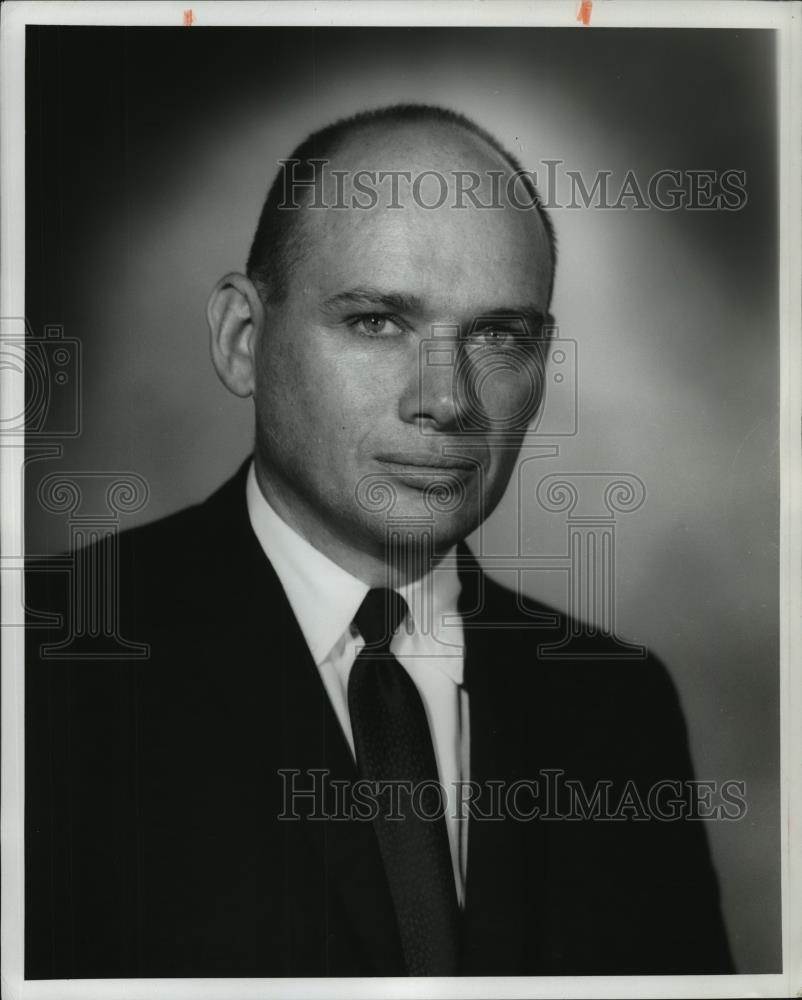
<point x="424" y="471"/>
<point x="427" y="462"/>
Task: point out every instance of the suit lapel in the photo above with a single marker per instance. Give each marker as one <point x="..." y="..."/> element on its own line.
<point x="498" y="900"/>
<point x="311" y="739"/>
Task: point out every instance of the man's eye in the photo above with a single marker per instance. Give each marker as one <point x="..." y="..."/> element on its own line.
<point x="375" y="325"/>
<point x="496" y="336"/>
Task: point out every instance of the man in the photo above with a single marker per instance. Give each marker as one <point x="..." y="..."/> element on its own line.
<point x="276" y="790"/>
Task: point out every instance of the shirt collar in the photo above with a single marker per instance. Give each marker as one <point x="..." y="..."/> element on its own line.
<point x="432" y="602"/>
<point x="325" y="598"/>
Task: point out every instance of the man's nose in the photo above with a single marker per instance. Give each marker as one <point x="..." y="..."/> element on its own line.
<point x="431" y="397"/>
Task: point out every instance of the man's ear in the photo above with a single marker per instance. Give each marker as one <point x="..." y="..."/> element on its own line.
<point x="235" y="313"/>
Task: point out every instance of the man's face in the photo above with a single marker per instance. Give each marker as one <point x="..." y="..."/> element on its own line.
<point x="395" y="382"/>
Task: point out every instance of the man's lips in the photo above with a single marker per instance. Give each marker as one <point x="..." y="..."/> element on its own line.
<point x="426" y="462"/>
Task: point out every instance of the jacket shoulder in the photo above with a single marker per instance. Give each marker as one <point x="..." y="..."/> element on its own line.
<point x="145" y="572"/>
<point x="562" y="661"/>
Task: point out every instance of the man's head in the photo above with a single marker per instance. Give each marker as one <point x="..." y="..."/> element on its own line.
<point x="389" y="328"/>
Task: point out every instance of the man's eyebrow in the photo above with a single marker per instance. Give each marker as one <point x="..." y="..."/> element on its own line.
<point x="534" y="316"/>
<point x="397" y="301"/>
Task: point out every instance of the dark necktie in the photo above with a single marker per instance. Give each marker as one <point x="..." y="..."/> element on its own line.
<point x="393" y="744"/>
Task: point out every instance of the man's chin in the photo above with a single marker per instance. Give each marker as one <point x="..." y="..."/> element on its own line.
<point x="425" y="523"/>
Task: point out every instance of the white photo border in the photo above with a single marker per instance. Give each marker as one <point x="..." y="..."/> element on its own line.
<point x="786" y="20"/>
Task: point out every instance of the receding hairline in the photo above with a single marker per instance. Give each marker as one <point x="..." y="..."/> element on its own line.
<point x="325" y="143"/>
<point x="434" y="126"/>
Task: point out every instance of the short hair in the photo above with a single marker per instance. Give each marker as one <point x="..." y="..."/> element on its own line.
<point x="279" y="244"/>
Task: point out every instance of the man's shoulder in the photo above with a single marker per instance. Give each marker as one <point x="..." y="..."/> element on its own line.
<point x="202" y="529"/>
<point x="159" y="538"/>
<point x="171" y="559"/>
<point x="565" y="658"/>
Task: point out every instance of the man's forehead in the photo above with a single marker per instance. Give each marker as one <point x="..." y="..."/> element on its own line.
<point x="402" y="233"/>
<point x="446" y="243"/>
<point x="447" y="271"/>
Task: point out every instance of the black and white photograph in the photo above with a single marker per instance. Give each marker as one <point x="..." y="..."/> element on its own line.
<point x="401" y="494"/>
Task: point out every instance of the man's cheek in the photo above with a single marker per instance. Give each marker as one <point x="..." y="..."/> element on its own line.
<point x="509" y="398"/>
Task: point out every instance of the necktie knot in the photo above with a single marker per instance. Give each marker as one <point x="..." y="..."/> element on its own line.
<point x="379" y="616"/>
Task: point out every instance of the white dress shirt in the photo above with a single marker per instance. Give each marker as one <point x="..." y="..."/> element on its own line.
<point x="430" y="646"/>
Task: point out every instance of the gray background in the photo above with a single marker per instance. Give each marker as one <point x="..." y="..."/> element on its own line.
<point x="149" y="153"/>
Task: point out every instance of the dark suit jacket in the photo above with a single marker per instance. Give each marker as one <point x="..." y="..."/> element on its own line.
<point x="153" y="844"/>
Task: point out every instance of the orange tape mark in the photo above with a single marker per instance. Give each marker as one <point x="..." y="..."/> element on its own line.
<point x="189" y="18"/>
<point x="584" y="12"/>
